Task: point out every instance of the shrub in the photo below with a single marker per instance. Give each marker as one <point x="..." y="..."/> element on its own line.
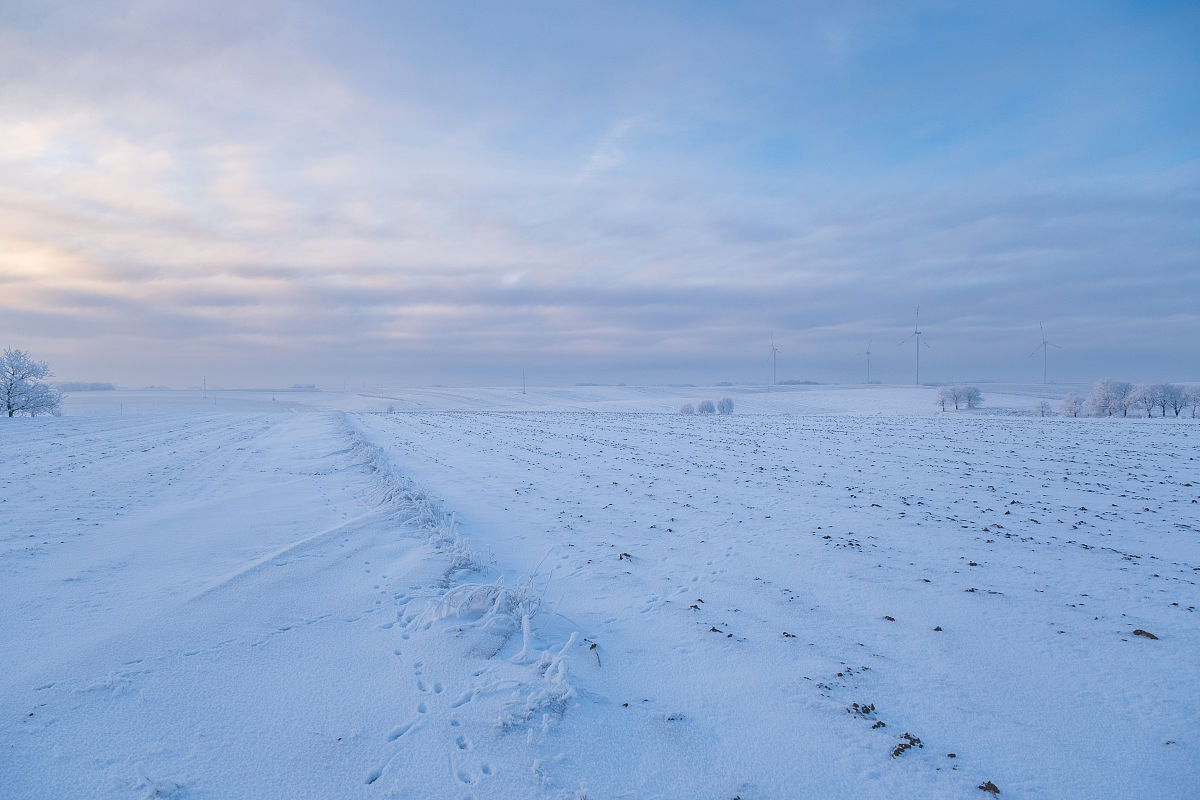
<point x="687" y="408"/>
<point x="706" y="407"/>
<point x="725" y="405"/>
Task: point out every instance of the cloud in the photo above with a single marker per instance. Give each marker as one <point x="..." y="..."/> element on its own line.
<point x="609" y="152"/>
<point x="294" y="186"/>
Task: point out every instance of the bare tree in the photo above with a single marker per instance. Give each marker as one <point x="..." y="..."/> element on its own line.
<point x="706" y="407"/>
<point x="1173" y="398"/>
<point x="22" y="390"/>
<point x="725" y="405"/>
<point x="1191" y="396"/>
<point x="968" y="396"/>
<point x="1071" y="405"/>
<point x="1043" y="409"/>
<point x="1109" y="397"/>
<point x="957" y="395"/>
<point x="1143" y="396"/>
<point x="1122" y="398"/>
<point x="1179" y="398"/>
<point x="1156" y="397"/>
<point x="687" y="408"/>
<point x="1098" y="404"/>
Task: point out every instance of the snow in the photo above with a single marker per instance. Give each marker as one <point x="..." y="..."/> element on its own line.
<point x="576" y="593"/>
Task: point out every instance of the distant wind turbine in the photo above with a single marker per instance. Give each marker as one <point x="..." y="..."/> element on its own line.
<point x="916" y="335"/>
<point x="1044" y="347"/>
<point x="774" y="353"/>
<point x="867" y="353"/>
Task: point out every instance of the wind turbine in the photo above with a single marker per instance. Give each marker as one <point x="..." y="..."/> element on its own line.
<point x="916" y="334"/>
<point x="867" y="353"/>
<point x="774" y="353"/>
<point x="1044" y="347"/>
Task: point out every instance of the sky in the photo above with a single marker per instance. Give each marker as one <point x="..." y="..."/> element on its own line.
<point x="268" y="193"/>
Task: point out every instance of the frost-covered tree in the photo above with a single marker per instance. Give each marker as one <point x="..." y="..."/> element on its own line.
<point x="1149" y="396"/>
<point x="22" y="390"/>
<point x="1191" y="397"/>
<point x="1173" y="398"/>
<point x="1098" y="404"/>
<point x="687" y="408"/>
<point x="1109" y="397"/>
<point x="1122" y="397"/>
<point x="968" y="396"/>
<point x="725" y="405"/>
<point x="1071" y="405"/>
<point x="1143" y="397"/>
<point x="1158" y="396"/>
<point x="1043" y="409"/>
<point x="706" y="407"/>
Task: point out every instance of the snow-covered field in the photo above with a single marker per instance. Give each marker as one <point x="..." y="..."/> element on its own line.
<point x="571" y="593"/>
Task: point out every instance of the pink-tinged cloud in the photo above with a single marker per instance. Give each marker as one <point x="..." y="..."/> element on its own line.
<point x="301" y="192"/>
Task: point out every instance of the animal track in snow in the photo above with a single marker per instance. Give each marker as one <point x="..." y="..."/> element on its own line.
<point x="463" y="699"/>
<point x="400" y="731"/>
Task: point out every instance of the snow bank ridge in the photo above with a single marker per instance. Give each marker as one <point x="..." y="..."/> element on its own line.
<point x="485" y="616"/>
<point x="409" y="504"/>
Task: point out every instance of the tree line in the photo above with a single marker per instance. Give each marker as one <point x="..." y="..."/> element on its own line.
<point x="957" y="396"/>
<point x="722" y="406"/>
<point x="1110" y="398"/>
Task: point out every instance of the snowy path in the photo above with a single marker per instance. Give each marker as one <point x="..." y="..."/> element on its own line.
<point x="520" y="605"/>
